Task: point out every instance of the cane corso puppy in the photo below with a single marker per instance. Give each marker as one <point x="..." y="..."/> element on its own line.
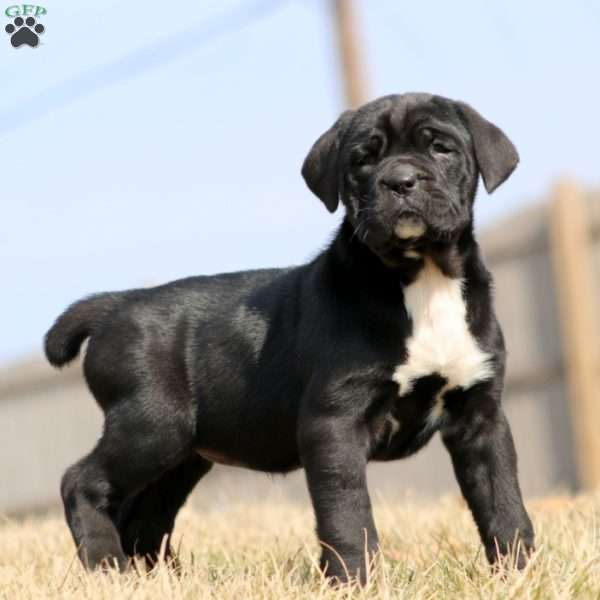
<point x="364" y="353"/>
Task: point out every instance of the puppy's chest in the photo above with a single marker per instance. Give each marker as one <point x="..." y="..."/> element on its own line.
<point x="441" y="344"/>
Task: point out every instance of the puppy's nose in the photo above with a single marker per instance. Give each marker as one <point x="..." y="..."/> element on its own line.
<point x="402" y="180"/>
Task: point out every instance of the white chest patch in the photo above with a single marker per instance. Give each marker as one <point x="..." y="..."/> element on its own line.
<point x="441" y="341"/>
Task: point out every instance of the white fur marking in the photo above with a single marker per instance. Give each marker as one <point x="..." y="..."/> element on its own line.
<point x="441" y="341"/>
<point x="394" y="427"/>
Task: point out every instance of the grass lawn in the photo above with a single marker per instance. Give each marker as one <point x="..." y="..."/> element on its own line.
<point x="269" y="552"/>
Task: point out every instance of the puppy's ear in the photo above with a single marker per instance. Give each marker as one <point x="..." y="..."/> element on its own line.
<point x="496" y="155"/>
<point x="320" y="168"/>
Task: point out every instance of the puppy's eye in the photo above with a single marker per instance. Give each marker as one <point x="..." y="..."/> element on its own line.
<point x="369" y="153"/>
<point x="440" y="147"/>
<point x="375" y="144"/>
<point x="363" y="158"/>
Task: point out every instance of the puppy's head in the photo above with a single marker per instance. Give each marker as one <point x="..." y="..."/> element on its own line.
<point x="406" y="168"/>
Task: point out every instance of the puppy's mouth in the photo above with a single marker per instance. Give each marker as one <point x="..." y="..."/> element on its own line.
<point x="410" y="227"/>
<point x="397" y="235"/>
<point x="411" y="238"/>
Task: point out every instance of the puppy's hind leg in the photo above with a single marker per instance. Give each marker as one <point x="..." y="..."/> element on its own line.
<point x="146" y="518"/>
<point x="136" y="449"/>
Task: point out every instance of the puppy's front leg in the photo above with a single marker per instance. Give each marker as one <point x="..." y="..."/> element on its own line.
<point x="481" y="446"/>
<point x="334" y="456"/>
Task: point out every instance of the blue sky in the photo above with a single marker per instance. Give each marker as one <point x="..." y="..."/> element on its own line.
<point x="142" y="142"/>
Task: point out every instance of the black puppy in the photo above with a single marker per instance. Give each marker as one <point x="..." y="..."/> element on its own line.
<point x="363" y="354"/>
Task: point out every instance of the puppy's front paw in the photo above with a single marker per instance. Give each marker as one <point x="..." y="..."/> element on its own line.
<point x="513" y="555"/>
<point x="349" y="569"/>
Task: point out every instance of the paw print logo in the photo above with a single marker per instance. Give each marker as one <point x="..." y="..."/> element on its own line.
<point x="24" y="32"/>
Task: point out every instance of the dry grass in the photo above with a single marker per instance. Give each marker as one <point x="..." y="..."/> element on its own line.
<point x="269" y="552"/>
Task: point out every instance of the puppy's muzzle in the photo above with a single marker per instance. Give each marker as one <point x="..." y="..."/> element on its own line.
<point x="404" y="182"/>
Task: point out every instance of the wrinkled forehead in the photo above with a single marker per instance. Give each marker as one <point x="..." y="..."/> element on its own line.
<point x="398" y="114"/>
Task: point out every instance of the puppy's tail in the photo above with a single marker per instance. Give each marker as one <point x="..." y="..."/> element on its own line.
<point x="78" y="322"/>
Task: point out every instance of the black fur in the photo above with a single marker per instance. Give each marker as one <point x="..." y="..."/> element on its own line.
<point x="286" y="368"/>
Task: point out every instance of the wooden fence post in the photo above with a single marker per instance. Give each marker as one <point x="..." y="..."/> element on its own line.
<point x="578" y="306"/>
<point x="351" y="53"/>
